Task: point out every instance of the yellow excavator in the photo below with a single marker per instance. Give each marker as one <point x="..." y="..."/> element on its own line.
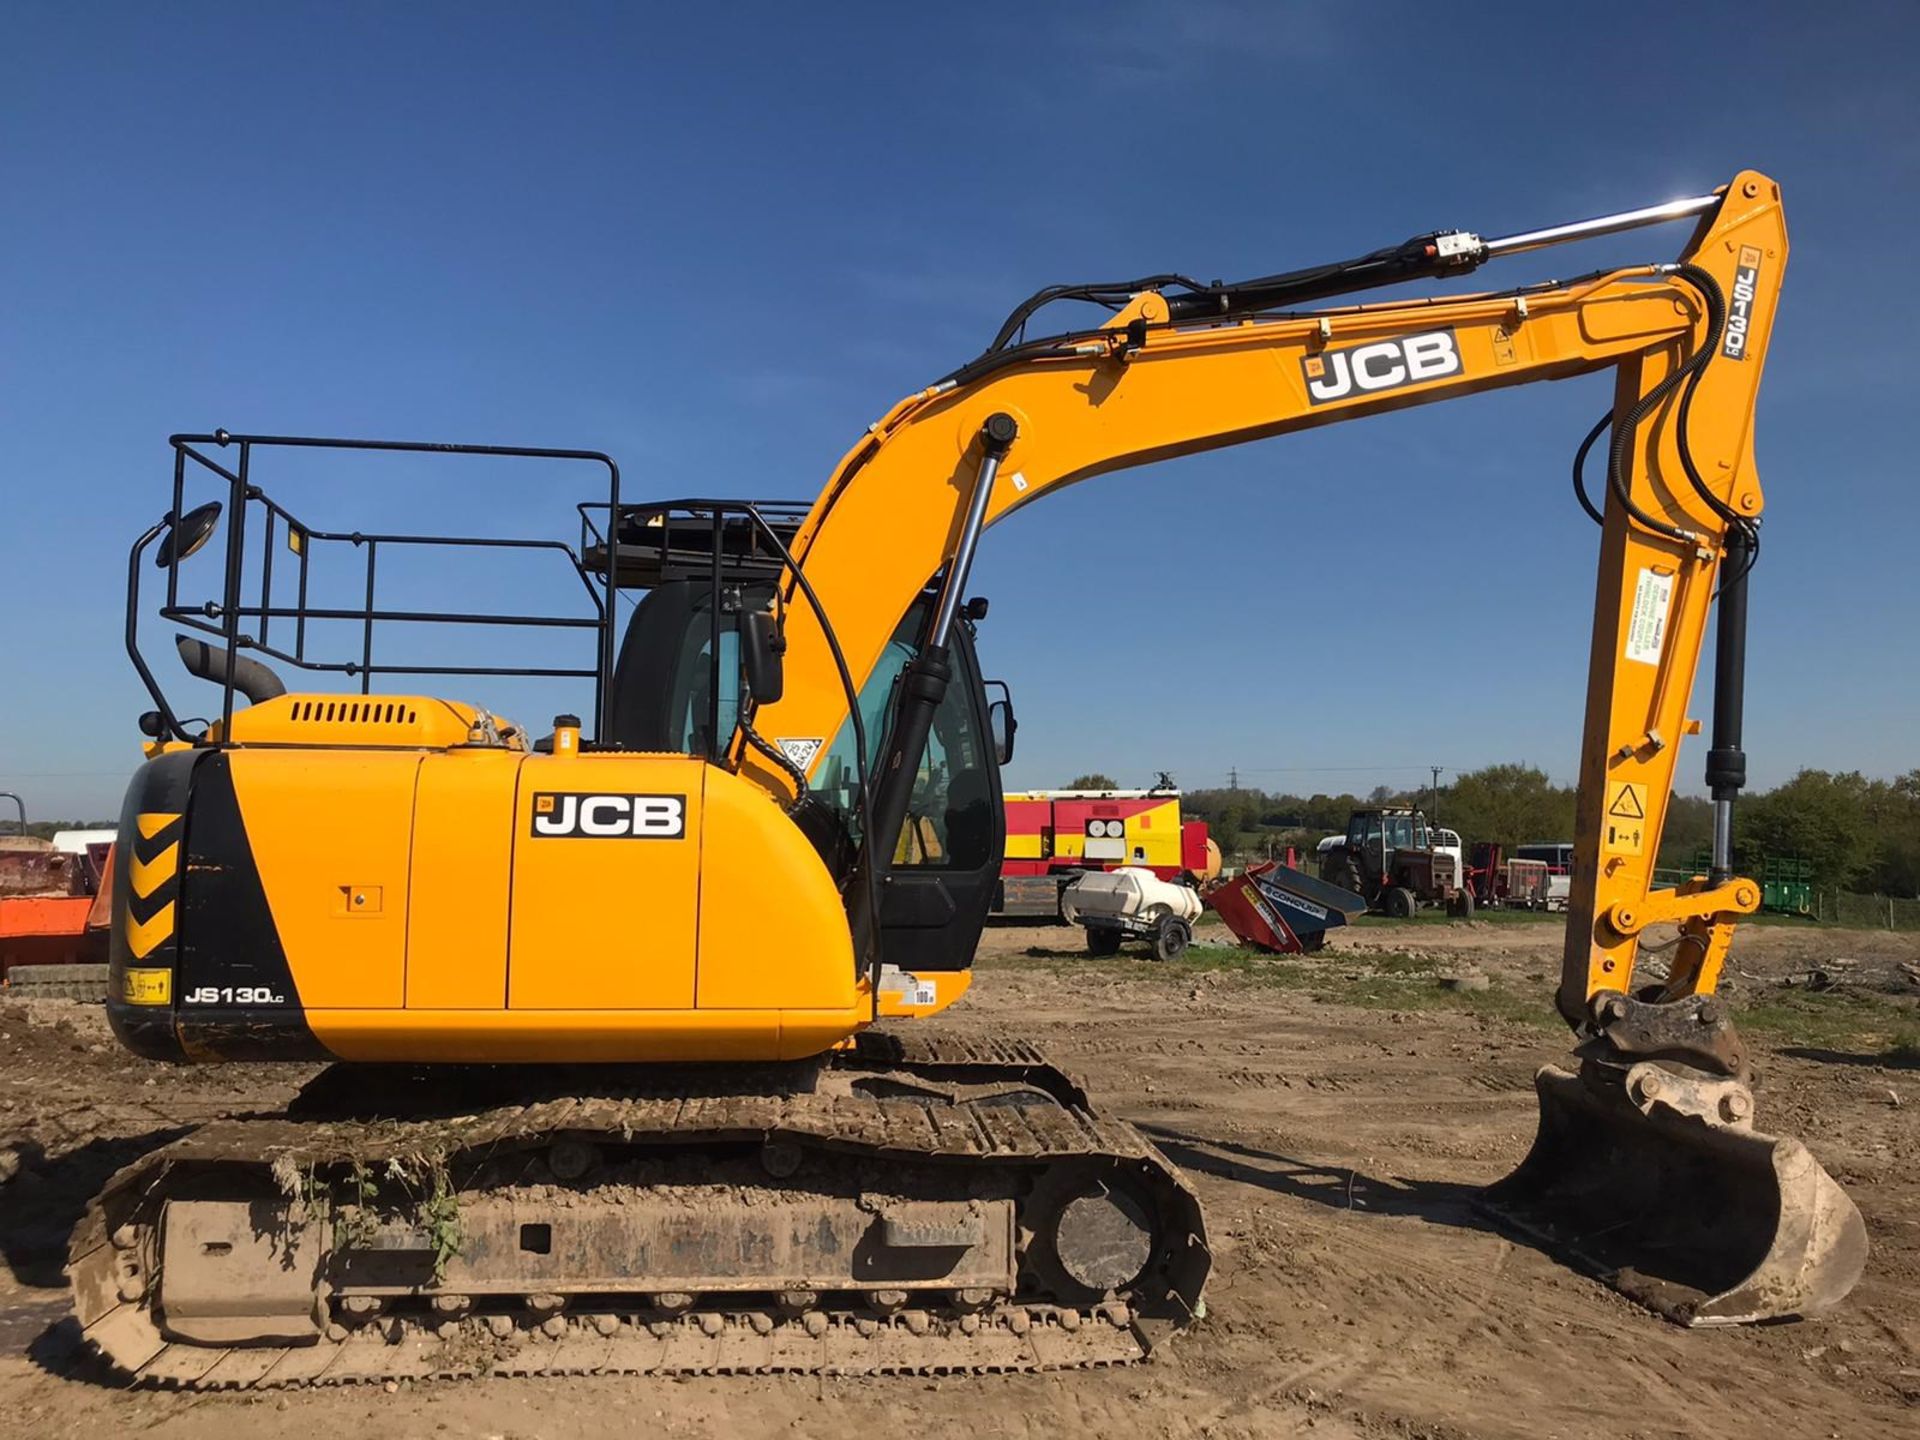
<point x="613" y="1083"/>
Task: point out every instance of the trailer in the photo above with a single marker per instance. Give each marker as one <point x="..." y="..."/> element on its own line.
<point x="55" y="915"/>
<point x="1131" y="903"/>
<point x="1557" y="856"/>
<point x="1786" y="881"/>
<point x="1510" y="884"/>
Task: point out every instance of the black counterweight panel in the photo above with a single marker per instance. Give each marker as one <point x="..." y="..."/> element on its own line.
<point x="234" y="994"/>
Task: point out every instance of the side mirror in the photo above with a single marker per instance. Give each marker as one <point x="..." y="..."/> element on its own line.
<point x="1000" y="718"/>
<point x="762" y="644"/>
<point x="1001" y="723"/>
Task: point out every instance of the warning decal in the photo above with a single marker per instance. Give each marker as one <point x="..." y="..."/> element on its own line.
<point x="1626" y="832"/>
<point x="1647" y="626"/>
<point x="905" y="988"/>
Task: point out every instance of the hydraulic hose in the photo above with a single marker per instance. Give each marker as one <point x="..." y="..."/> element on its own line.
<point x="1580" y="468"/>
<point x="779" y="757"/>
<point x="1686" y="375"/>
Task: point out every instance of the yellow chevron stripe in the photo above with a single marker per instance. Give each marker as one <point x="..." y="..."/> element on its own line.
<point x="149" y="875"/>
<point x="143" y="937"/>
<point x="152" y="824"/>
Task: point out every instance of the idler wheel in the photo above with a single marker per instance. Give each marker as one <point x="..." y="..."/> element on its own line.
<point x="1103" y="1240"/>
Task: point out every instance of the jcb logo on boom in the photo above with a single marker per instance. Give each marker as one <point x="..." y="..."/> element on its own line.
<point x="609" y="817"/>
<point x="1380" y="365"/>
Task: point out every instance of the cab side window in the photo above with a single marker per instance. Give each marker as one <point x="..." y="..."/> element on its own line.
<point x="950" y="817"/>
<point x="950" y="820"/>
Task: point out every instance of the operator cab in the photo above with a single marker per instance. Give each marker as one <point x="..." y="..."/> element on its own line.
<point x="1384" y="831"/>
<point x="667" y="694"/>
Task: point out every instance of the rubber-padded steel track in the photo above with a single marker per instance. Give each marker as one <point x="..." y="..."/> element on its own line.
<point x="972" y="1115"/>
<point x="85" y="982"/>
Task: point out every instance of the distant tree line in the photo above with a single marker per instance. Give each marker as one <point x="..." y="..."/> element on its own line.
<point x="1860" y="834"/>
<point x="46" y="829"/>
<point x="1855" y="833"/>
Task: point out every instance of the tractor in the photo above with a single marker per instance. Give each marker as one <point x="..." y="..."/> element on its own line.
<point x="1389" y="857"/>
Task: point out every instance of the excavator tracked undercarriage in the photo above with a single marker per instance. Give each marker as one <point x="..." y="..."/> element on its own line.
<point x="627" y="1074"/>
<point x="908" y="1206"/>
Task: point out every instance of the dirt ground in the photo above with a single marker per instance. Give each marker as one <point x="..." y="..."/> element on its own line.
<point x="1335" y="1115"/>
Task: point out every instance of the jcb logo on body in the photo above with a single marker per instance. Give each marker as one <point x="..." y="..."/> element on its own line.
<point x="1380" y="365"/>
<point x="609" y="817"/>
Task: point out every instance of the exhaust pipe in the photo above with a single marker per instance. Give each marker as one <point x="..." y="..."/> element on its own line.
<point x="216" y="663"/>
<point x="1658" y="1184"/>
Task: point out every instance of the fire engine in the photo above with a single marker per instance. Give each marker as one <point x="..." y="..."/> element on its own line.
<point x="1054" y="835"/>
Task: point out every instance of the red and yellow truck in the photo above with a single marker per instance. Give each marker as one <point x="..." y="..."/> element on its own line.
<point x="1053" y="835"/>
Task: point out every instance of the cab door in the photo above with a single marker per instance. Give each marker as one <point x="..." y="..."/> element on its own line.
<point x="947" y="865"/>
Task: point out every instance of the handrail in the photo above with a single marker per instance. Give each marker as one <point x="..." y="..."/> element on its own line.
<point x="223" y="618"/>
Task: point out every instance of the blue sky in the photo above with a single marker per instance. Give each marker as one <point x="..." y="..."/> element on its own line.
<point x="717" y="241"/>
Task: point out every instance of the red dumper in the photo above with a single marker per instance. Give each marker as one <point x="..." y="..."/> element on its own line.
<point x="1272" y="907"/>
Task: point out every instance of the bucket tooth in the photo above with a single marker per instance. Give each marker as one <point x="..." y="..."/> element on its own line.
<point x="1657" y="1183"/>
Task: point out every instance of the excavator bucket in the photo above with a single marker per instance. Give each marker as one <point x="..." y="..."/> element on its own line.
<point x="1661" y="1188"/>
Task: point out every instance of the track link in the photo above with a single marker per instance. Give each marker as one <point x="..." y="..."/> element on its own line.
<point x="898" y="1135"/>
<point x="1008" y="1342"/>
<point x="83" y="982"/>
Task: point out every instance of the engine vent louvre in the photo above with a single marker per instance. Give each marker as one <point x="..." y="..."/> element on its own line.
<point x="353" y="712"/>
<point x="411" y="722"/>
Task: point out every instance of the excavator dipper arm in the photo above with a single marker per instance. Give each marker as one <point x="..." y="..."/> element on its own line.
<point x="1183" y="368"/>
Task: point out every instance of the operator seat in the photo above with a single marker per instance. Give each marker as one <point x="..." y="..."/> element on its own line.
<point x="641" y="716"/>
<point x="969" y="819"/>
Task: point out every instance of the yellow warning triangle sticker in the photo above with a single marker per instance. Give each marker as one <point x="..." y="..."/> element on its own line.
<point x="1626" y="805"/>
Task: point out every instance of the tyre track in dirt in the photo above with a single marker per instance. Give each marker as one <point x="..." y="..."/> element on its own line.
<point x="1355" y="1293"/>
<point x="1513" y="1343"/>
